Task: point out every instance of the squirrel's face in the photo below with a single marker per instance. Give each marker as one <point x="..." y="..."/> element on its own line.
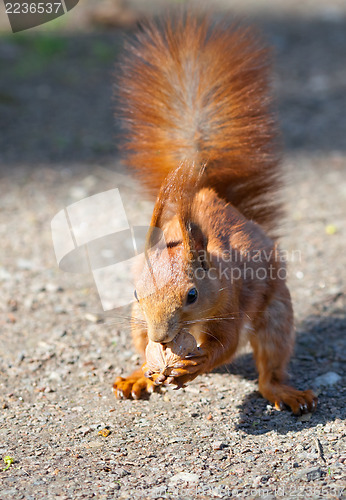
<point x="175" y="293"/>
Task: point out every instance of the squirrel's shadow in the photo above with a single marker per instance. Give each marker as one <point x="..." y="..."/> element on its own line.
<point x="320" y="348"/>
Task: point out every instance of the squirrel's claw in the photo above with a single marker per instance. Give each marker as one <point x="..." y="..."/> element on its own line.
<point x="159" y="379"/>
<point x="300" y="402"/>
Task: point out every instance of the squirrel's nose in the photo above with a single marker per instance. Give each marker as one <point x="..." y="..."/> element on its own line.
<point x="161" y="336"/>
<point x="161" y="339"/>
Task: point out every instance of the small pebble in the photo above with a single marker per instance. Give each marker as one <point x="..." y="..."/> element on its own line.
<point x="219" y="445"/>
<point x="305" y="417"/>
<point x="93" y="318"/>
<point x="84" y="430"/>
<point x="329" y="378"/>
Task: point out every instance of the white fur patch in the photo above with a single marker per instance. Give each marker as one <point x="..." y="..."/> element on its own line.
<point x="195" y="331"/>
<point x="244" y="336"/>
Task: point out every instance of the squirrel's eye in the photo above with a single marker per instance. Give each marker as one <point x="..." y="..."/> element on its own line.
<point x="192" y="296"/>
<point x="136" y="296"/>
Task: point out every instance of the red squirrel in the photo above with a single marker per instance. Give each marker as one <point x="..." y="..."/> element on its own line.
<point x="202" y="137"/>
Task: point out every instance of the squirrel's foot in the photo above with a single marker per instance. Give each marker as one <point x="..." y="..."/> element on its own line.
<point x="135" y="386"/>
<point x="283" y="395"/>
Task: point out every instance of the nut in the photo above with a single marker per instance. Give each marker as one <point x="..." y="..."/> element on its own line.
<point x="161" y="357"/>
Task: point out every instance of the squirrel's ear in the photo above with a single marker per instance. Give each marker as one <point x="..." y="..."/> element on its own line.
<point x="197" y="243"/>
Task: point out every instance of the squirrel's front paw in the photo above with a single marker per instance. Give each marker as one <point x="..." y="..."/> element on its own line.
<point x="182" y="371"/>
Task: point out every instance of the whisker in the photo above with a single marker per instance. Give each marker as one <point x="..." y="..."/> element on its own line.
<point x="202" y="320"/>
<point x="233" y="315"/>
<point x="121" y="319"/>
<point x="218" y="340"/>
<point x="215" y="338"/>
<point x="223" y="347"/>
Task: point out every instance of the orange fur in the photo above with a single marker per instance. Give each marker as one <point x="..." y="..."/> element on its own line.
<point x="200" y="132"/>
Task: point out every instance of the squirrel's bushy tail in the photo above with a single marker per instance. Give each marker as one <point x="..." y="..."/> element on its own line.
<point x="198" y="92"/>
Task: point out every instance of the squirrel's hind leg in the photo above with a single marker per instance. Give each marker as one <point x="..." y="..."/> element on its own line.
<point x="273" y="344"/>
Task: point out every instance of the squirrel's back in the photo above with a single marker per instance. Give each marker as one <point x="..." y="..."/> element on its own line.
<point x="198" y="92"/>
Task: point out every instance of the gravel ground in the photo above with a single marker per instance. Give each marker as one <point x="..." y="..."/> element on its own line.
<point x="59" y="355"/>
